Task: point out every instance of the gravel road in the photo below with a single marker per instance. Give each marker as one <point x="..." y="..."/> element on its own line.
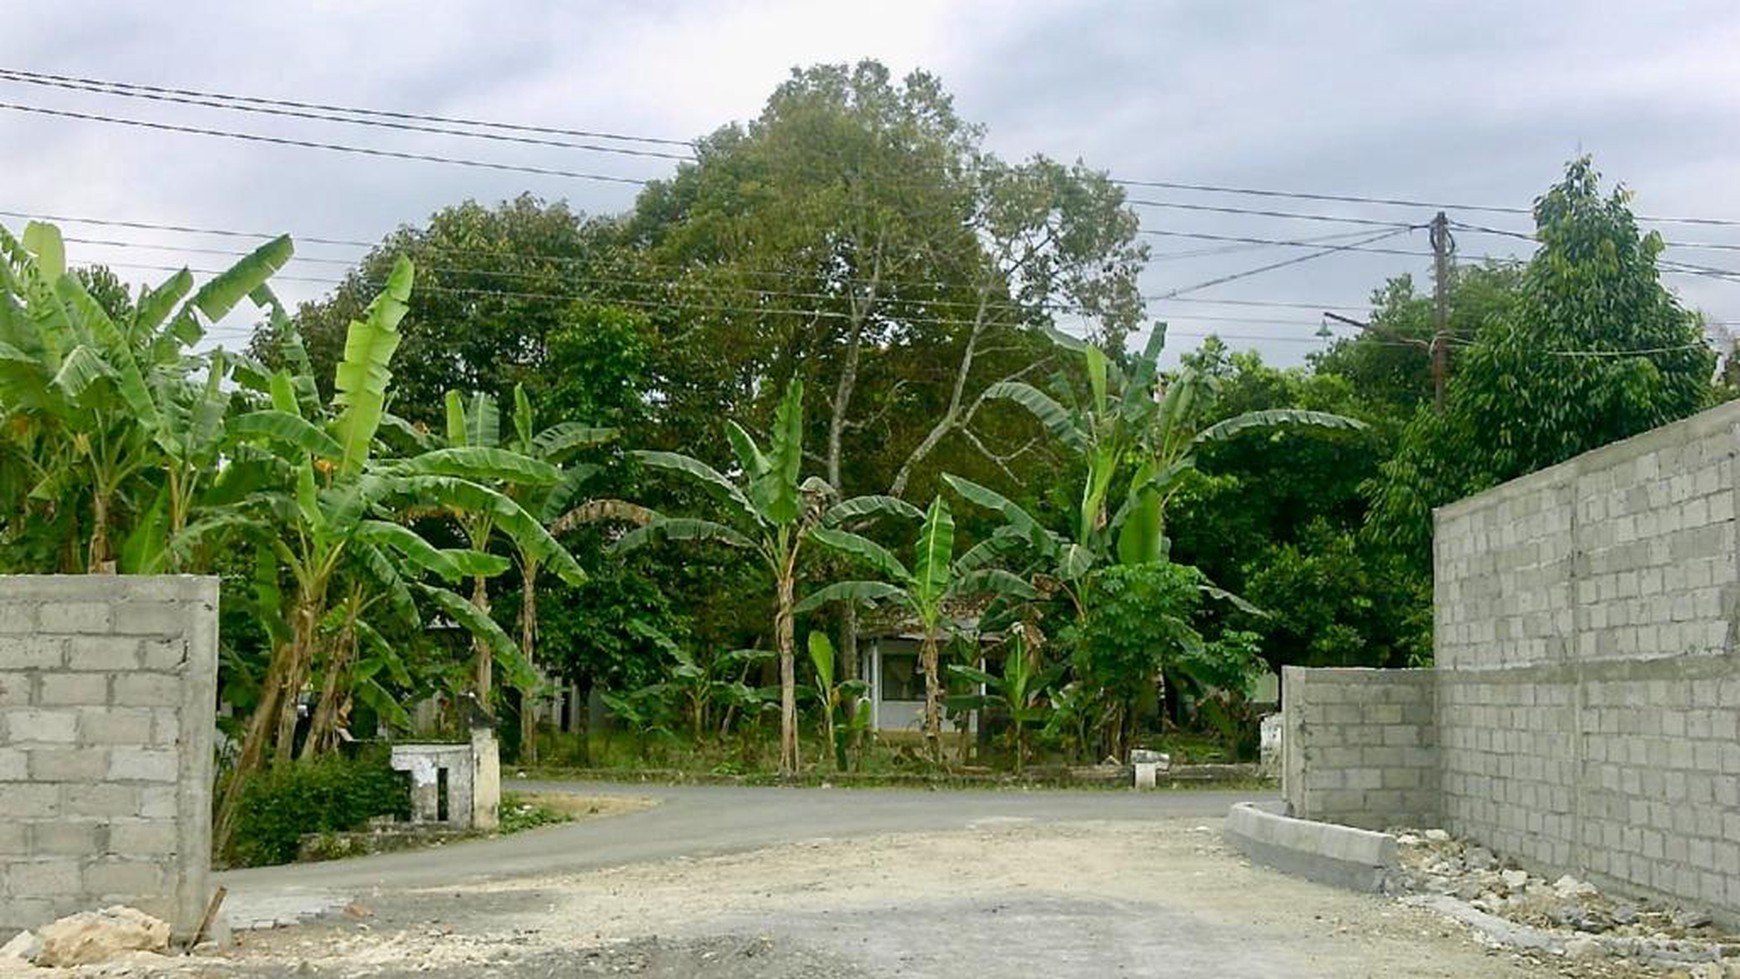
<point x="725" y="883"/>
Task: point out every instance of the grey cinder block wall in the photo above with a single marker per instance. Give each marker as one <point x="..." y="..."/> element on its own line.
<point x="1586" y="693"/>
<point x="1588" y="689"/>
<point x="1359" y="747"/>
<point x="108" y="689"/>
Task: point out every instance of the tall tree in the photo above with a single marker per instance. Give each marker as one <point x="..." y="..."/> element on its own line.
<point x="494" y="285"/>
<point x="1595" y="349"/>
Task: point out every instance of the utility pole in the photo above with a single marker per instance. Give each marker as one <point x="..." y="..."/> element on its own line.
<point x="1442" y="247"/>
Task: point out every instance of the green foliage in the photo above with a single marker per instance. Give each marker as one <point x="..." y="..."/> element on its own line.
<point x="520" y="813"/>
<point x="325" y="795"/>
<point x="1593" y="350"/>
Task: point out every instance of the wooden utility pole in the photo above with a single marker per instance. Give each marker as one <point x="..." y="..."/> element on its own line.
<point x="1442" y="247"/>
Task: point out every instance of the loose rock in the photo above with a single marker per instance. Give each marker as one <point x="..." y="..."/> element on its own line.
<point x="91" y="937"/>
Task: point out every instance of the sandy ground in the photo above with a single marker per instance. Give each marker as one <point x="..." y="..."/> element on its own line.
<point x="1078" y="899"/>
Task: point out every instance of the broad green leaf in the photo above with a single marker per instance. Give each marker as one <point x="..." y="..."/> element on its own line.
<point x="777" y="489"/>
<point x="523" y="422"/>
<point x="45" y="242"/>
<point x="1273" y="418"/>
<point x="518" y="670"/>
<point x="749" y="455"/>
<point x="454" y="403"/>
<point x="1019" y="520"/>
<point x="870" y="506"/>
<point x="821" y="650"/>
<point x="117" y="352"/>
<point x="483" y="422"/>
<point x="512" y="519"/>
<point x="220" y="295"/>
<point x="79" y="370"/>
<point x="411" y="546"/>
<point x="865" y="549"/>
<point x="363" y="376"/>
<point x="477" y="564"/>
<point x="156" y="305"/>
<point x="1056" y="419"/>
<point x="289" y="429"/>
<point x="697" y="469"/>
<point x="934" y="555"/>
<point x="481" y="464"/>
<point x="554" y="442"/>
<point x="857" y="592"/>
<point x="994" y="581"/>
<point x="681" y="528"/>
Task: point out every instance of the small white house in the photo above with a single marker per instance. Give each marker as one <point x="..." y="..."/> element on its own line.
<point x="888" y="660"/>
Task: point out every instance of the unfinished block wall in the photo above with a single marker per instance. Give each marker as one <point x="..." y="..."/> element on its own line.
<point x="1359" y="747"/>
<point x="1588" y="681"/>
<point x="107" y="702"/>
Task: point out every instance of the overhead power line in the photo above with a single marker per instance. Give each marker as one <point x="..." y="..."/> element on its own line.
<point x="314" y="145"/>
<point x="229" y="100"/>
<point x="43" y="77"/>
<point x="326" y="116"/>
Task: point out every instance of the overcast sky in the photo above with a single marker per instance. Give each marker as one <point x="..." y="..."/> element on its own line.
<point x="1470" y="102"/>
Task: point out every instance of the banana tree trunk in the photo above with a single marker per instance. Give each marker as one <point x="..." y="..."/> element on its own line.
<point x="304" y="631"/>
<point x="258" y="738"/>
<point x="788" y="734"/>
<point x="528" y="636"/>
<point x="927" y="656"/>
<point x="484" y="672"/>
<point x="97" y="560"/>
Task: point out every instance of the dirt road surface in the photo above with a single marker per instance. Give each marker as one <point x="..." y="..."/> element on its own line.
<point x="1056" y="885"/>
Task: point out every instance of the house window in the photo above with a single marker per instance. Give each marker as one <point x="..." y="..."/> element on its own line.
<point x="901" y="678"/>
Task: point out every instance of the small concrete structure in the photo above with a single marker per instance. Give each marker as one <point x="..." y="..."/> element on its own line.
<point x="108" y="700"/>
<point x="1147" y="765"/>
<point x="466" y="777"/>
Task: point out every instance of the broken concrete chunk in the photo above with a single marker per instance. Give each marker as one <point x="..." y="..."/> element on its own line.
<point x="1516" y="880"/>
<point x="22" y="948"/>
<point x="1437" y="836"/>
<point x="1584" y="947"/>
<point x="90" y="937"/>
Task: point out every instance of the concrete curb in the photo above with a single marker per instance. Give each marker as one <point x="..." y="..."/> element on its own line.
<point x="1341" y="856"/>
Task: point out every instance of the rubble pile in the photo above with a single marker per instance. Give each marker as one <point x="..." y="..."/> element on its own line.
<point x="1585" y="922"/>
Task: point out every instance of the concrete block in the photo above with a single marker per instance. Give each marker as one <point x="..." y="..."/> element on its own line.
<point x="68" y="764"/>
<point x="115" y="726"/>
<point x="124" y="878"/>
<point x="43" y="878"/>
<point x="17" y="618"/>
<point x="103" y="653"/>
<point x="144" y="765"/>
<point x="66" y="838"/>
<point x="32" y="652"/>
<point x="159" y="801"/>
<point x="14" y="765"/>
<point x="17" y="689"/>
<point x="62" y="689"/>
<point x="166" y="655"/>
<point x="27" y="801"/>
<point x="74" y="617"/>
<point x="143" y="837"/>
<point x="100" y="800"/>
<point x="14" y="842"/>
<point x="151" y="618"/>
<point x="147" y="690"/>
<point x="41" y="726"/>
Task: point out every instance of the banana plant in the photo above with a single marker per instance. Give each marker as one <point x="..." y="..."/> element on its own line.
<point x="771" y="511"/>
<point x="839" y="719"/>
<point x="1134" y="422"/>
<point x="109" y="399"/>
<point x="335" y="513"/>
<point x="1018" y="692"/>
<point x="935" y="581"/>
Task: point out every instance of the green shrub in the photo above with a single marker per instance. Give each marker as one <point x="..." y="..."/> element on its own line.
<point x="327" y="795"/>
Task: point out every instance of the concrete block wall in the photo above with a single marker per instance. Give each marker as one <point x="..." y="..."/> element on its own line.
<point x="108" y="691"/>
<point x="1588" y="686"/>
<point x="1359" y="747"/>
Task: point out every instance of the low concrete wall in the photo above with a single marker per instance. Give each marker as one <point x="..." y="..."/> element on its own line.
<point x="108" y="691"/>
<point x="1342" y="856"/>
<point x="1359" y="747"/>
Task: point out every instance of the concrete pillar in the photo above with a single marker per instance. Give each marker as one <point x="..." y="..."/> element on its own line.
<point x="486" y="780"/>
